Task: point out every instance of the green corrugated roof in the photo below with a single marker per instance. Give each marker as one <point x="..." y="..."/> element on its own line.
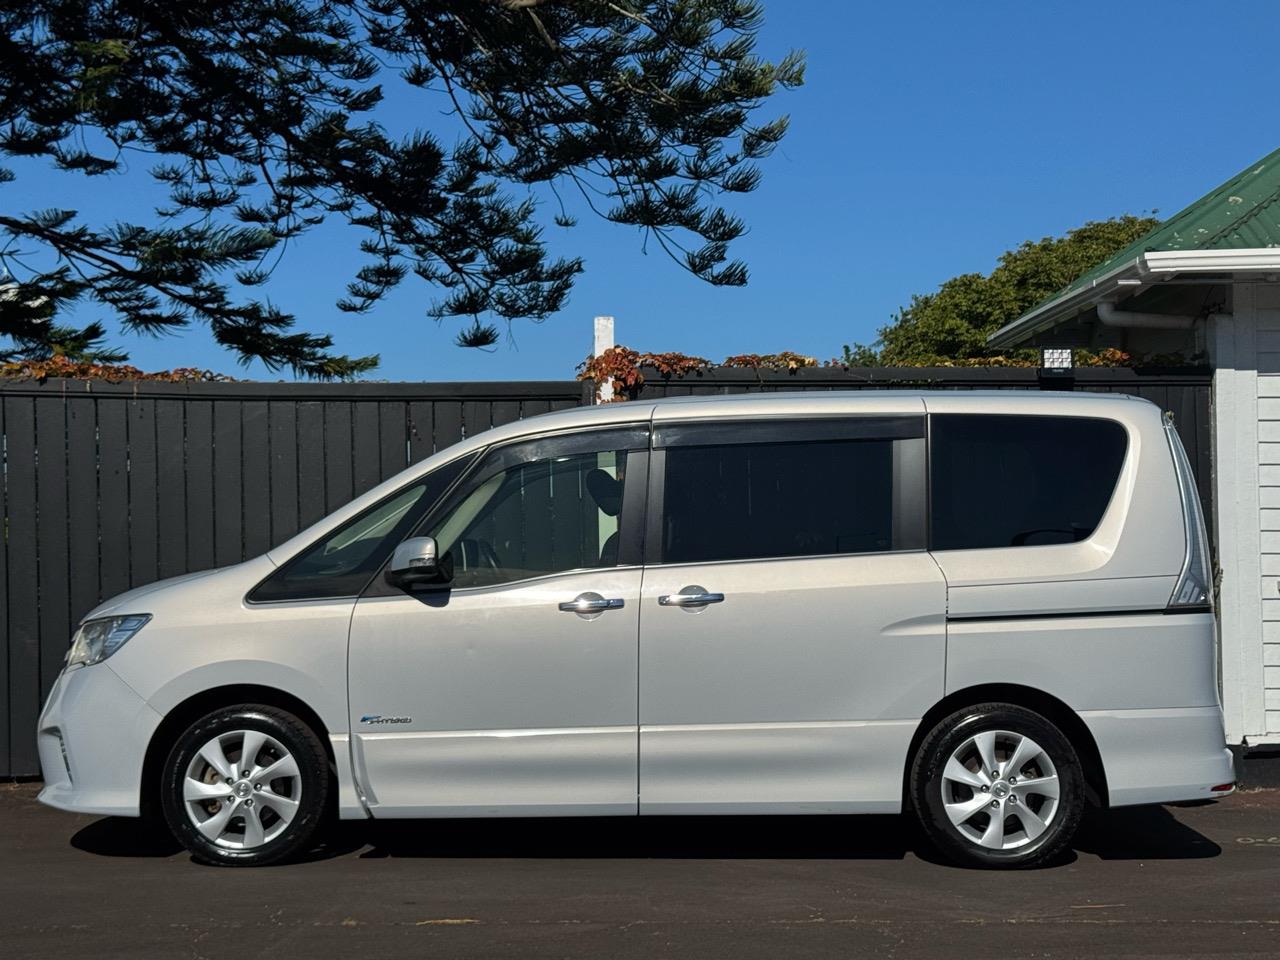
<point x="1242" y="214"/>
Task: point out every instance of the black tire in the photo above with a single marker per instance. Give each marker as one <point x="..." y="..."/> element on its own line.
<point x="958" y="843"/>
<point x="284" y="838"/>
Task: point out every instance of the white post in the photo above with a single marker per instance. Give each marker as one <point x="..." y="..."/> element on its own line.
<point x="603" y="341"/>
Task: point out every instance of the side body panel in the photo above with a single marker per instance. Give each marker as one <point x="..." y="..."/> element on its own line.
<point x="800" y="692"/>
<point x="501" y="703"/>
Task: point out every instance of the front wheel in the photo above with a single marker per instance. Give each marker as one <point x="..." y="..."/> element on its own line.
<point x="245" y="786"/>
<point x="996" y="785"/>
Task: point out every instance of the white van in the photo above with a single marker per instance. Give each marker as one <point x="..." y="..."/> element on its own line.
<point x="988" y="608"/>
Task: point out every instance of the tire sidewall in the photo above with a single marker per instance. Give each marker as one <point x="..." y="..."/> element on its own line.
<point x="296" y="738"/>
<point x="948" y="735"/>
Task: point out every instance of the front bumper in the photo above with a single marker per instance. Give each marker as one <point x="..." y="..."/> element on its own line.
<point x="1162" y="756"/>
<point x="93" y="735"/>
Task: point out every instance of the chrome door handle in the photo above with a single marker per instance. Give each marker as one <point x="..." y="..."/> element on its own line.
<point x="591" y="603"/>
<point x="690" y="597"/>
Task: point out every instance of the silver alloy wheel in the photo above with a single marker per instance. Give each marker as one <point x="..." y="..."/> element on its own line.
<point x="1000" y="789"/>
<point x="242" y="789"/>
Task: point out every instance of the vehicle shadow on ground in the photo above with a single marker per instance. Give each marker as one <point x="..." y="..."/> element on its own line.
<point x="1142" y="833"/>
<point x="1139" y="833"/>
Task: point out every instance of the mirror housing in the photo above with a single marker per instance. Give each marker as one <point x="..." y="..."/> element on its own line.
<point x="418" y="560"/>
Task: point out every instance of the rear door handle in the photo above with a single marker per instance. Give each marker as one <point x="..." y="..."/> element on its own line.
<point x="591" y="603"/>
<point x="690" y="597"/>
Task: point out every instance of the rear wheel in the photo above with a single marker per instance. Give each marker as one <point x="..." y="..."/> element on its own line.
<point x="245" y="786"/>
<point x="997" y="785"/>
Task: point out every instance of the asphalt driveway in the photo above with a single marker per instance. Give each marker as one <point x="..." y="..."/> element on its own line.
<point x="1154" y="882"/>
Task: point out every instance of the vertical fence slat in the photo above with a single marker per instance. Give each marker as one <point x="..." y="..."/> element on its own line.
<point x="421" y="430"/>
<point x="448" y="418"/>
<point x="113" y="494"/>
<point x="284" y="471"/>
<point x="532" y="408"/>
<point x="82" y="504"/>
<point x="476" y="417"/>
<point x="255" y="462"/>
<point x="171" y="493"/>
<point x="364" y="446"/>
<point x="505" y="411"/>
<point x="228" y="496"/>
<point x="391" y="438"/>
<point x="51" y="538"/>
<point x="337" y="454"/>
<point x="22" y="597"/>
<point x="199" y="484"/>
<point x="143" y="533"/>
<point x="311" y="505"/>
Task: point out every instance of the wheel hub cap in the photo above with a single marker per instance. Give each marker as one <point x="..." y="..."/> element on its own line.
<point x="242" y="789"/>
<point x="982" y="803"/>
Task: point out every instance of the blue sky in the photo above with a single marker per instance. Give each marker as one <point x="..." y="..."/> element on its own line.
<point x="929" y="138"/>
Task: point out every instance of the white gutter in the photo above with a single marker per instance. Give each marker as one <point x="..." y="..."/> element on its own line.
<point x="1156" y="265"/>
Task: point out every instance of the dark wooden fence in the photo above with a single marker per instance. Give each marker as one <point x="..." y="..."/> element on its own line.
<point x="110" y="486"/>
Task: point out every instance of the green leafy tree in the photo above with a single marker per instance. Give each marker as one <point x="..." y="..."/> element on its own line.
<point x="953" y="322"/>
<point x="261" y="117"/>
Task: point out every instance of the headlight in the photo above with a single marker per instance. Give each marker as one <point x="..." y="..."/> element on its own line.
<point x="98" y="639"/>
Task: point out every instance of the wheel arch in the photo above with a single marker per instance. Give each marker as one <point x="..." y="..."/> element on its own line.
<point x="1045" y="704"/>
<point x="197" y="705"/>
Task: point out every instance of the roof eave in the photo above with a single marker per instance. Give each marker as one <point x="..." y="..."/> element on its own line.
<point x="1156" y="264"/>
<point x="1068" y="305"/>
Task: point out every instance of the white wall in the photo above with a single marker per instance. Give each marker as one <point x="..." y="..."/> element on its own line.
<point x="1245" y="350"/>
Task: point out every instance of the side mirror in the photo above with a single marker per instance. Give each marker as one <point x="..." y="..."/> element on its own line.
<point x="417" y="560"/>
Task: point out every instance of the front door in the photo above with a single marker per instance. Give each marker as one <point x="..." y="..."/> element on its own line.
<point x="512" y="690"/>
<point x="792" y="625"/>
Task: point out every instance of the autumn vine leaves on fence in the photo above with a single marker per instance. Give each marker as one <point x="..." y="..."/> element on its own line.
<point x="59" y="367"/>
<point x="624" y="367"/>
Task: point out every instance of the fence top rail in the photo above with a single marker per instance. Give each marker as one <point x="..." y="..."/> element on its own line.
<point x="150" y="389"/>
<point x="851" y="376"/>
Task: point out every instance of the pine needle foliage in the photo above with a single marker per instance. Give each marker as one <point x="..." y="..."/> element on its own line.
<point x="260" y="119"/>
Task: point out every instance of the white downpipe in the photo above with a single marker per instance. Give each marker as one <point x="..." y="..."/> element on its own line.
<point x="1112" y="317"/>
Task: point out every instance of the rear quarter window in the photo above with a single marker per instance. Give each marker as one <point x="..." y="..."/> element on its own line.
<point x="1020" y="481"/>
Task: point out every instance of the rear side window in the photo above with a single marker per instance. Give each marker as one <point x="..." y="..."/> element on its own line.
<point x="740" y="501"/>
<point x="1020" y="481"/>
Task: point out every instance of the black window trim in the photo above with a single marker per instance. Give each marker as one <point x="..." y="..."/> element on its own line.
<point x="787" y="429"/>
<point x="1115" y="488"/>
<point x="910" y="477"/>
<point x="618" y="436"/>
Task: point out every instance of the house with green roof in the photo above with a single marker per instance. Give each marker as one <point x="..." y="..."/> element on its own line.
<point x="1206" y="284"/>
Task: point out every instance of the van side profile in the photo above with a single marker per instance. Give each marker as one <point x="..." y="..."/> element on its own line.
<point x="986" y="609"/>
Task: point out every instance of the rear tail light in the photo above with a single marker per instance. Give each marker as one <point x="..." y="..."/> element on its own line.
<point x="1195" y="582"/>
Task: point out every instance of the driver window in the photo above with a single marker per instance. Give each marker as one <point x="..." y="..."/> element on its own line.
<point x="536" y="518"/>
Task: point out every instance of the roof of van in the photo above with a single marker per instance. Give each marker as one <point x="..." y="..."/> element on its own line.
<point x="871" y="394"/>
